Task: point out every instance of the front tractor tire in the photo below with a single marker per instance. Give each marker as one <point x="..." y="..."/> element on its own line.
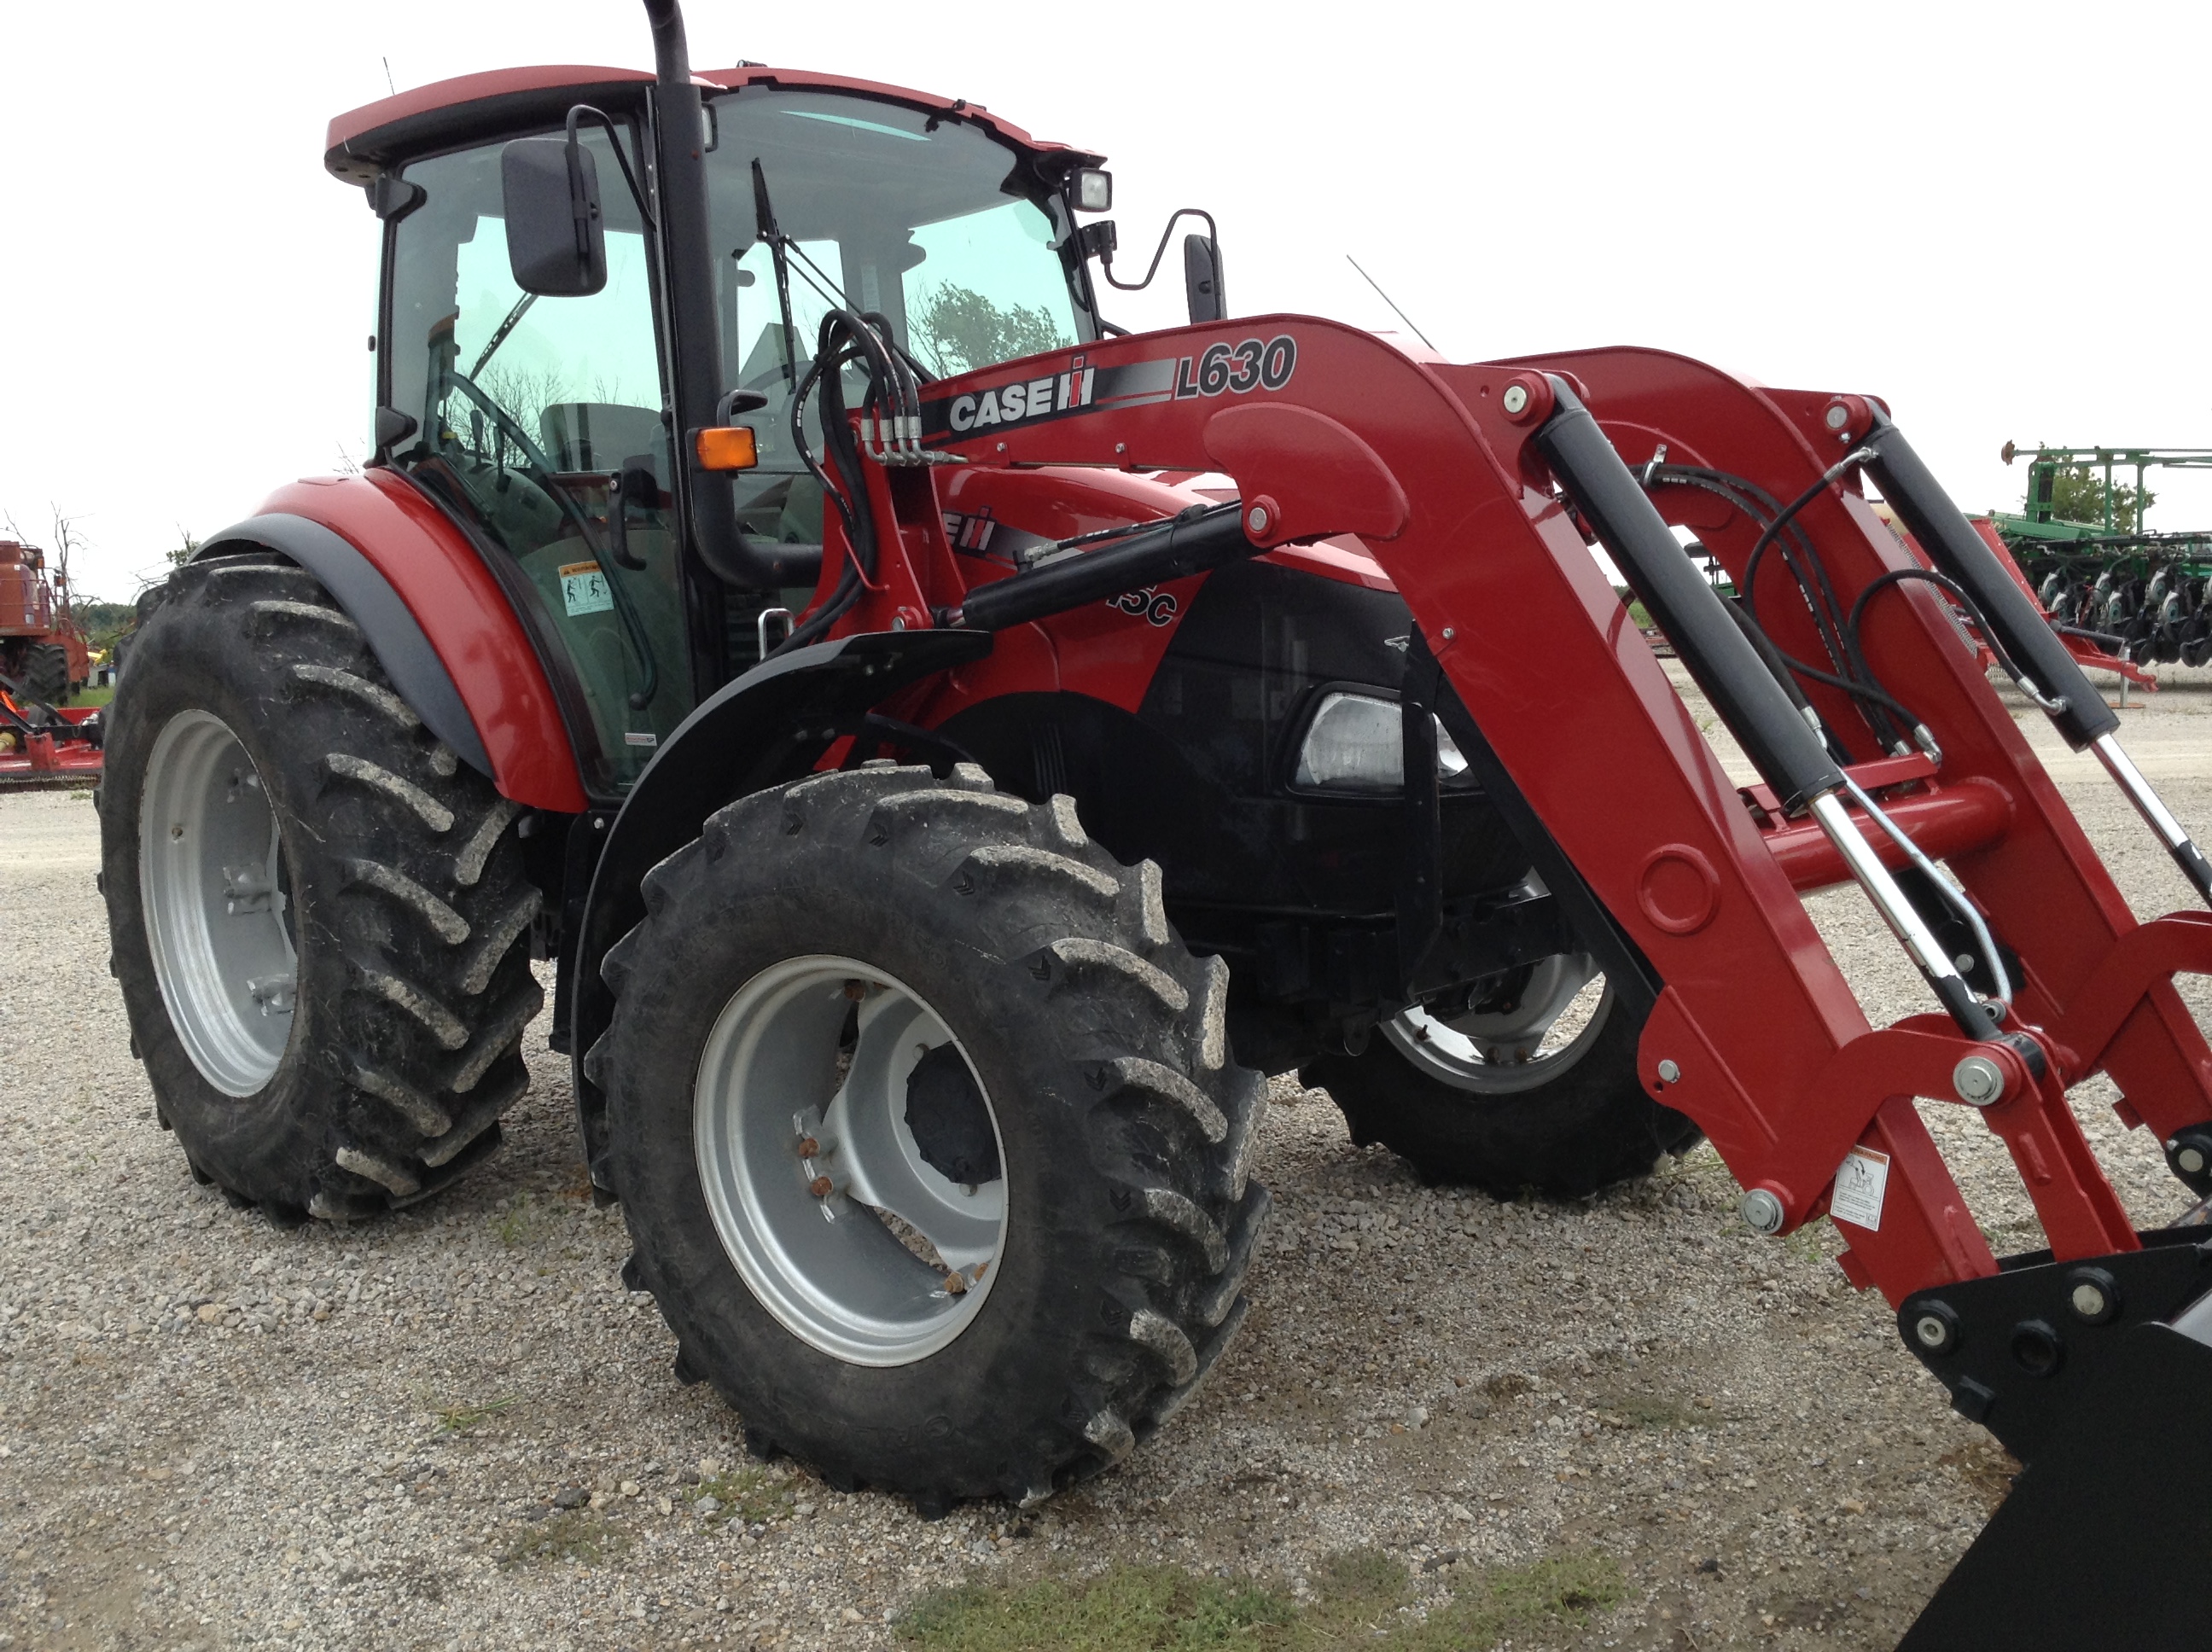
<point x="927" y="1134"/>
<point x="318" y="915"/>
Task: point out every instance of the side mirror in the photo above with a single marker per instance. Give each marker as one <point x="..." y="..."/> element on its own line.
<point x="1201" y="279"/>
<point x="556" y="237"/>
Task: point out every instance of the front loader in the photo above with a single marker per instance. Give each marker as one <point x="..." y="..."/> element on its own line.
<point x="948" y="748"/>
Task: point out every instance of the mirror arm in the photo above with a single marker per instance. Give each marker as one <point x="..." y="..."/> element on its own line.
<point x="1106" y="260"/>
<point x="577" y="115"/>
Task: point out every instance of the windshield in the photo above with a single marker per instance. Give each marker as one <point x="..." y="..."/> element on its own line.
<point x="941" y="229"/>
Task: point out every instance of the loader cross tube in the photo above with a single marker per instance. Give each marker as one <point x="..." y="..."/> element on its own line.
<point x="1742" y="686"/>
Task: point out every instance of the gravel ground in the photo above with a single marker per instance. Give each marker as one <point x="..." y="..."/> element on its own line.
<point x="454" y="1428"/>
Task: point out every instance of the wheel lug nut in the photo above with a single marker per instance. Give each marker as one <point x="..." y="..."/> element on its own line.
<point x="808" y="1147"/>
<point x="821" y="1186"/>
<point x="956" y="1284"/>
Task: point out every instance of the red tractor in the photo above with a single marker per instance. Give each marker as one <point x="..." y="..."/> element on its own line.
<point x="952" y="747"/>
<point x="43" y="651"/>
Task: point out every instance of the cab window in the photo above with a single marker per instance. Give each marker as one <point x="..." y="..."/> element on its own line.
<point x="525" y="408"/>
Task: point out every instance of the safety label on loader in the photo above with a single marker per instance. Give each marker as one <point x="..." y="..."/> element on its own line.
<point x="1861" y="1180"/>
<point x="584" y="589"/>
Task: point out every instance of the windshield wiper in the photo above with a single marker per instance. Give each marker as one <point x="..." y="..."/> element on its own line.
<point x="499" y="333"/>
<point x="765" y="228"/>
<point x="781" y="249"/>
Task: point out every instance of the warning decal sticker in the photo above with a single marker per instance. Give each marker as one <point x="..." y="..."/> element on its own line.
<point x="1861" y="1181"/>
<point x="584" y="589"/>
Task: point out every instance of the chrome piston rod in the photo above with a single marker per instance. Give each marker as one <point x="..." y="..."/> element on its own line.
<point x="2160" y="818"/>
<point x="1903" y="918"/>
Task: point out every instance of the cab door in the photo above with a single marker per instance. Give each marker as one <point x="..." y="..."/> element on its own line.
<point x="526" y="409"/>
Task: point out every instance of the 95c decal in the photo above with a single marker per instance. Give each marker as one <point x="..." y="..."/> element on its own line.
<point x="1157" y="607"/>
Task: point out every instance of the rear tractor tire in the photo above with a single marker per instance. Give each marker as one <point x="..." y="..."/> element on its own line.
<point x="927" y="1132"/>
<point x="319" y="914"/>
<point x="1541" y="1093"/>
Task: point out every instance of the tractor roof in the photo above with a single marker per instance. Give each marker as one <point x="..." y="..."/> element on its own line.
<point x="446" y="112"/>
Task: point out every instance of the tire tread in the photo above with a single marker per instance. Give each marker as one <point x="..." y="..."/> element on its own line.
<point x="409" y="1051"/>
<point x="1180" y="1230"/>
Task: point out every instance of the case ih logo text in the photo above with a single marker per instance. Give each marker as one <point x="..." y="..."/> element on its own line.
<point x="1032" y="398"/>
<point x="1237" y="368"/>
<point x="1083" y="388"/>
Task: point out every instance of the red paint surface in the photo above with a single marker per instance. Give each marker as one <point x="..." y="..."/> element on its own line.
<point x="466" y="615"/>
<point x="355" y="125"/>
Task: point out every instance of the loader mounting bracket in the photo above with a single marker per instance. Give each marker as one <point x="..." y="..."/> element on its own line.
<point x="2018" y="1348"/>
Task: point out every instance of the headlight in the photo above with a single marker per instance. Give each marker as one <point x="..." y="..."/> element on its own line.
<point x="1355" y="744"/>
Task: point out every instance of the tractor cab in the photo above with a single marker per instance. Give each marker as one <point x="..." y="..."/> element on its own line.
<point x="544" y="421"/>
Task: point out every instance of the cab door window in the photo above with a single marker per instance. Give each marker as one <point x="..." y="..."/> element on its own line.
<point x="526" y="407"/>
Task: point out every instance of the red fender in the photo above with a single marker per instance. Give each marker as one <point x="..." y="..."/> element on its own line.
<point x="468" y="619"/>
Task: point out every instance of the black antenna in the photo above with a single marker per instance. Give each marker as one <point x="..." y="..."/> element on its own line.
<point x="1389" y="300"/>
<point x="394" y="90"/>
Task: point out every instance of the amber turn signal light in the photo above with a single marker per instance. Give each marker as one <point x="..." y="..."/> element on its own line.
<point x="726" y="447"/>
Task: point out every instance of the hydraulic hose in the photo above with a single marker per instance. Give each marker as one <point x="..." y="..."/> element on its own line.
<point x="844" y="338"/>
<point x="1788" y="755"/>
<point x="2014" y="625"/>
<point x="1764" y="511"/>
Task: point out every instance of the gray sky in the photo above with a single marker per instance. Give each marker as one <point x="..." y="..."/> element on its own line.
<point x="1990" y="215"/>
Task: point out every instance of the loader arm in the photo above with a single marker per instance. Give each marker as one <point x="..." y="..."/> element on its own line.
<point x="1472" y="486"/>
<point x="1767" y="1047"/>
<point x="1480" y="491"/>
<point x="1473" y="511"/>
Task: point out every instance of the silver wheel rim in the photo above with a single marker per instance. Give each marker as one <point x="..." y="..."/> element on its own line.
<point x="212" y="879"/>
<point x="1559" y="1016"/>
<point x="895" y="1259"/>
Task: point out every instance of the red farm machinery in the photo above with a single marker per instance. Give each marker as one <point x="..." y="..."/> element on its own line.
<point x="952" y="748"/>
<point x="44" y="660"/>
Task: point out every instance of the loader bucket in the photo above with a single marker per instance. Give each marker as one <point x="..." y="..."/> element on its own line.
<point x="2106" y="1534"/>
